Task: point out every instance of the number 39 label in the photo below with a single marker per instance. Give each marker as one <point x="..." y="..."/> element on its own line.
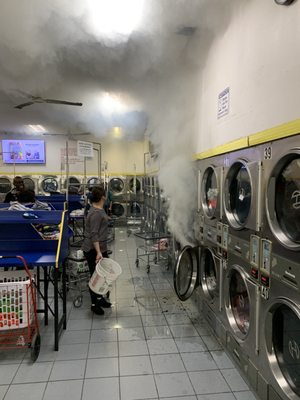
<point x="268" y="153"/>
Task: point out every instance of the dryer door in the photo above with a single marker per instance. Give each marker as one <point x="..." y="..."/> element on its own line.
<point x="283" y="201"/>
<point x="210" y="266"/>
<point x="210" y="193"/>
<point x="29" y="183"/>
<point x="49" y="185"/>
<point x="116" y="185"/>
<point x="186" y="272"/>
<point x="92" y="182"/>
<point x="282" y="336"/>
<point x="118" y="210"/>
<point x="238" y="195"/>
<point x="134" y="185"/>
<point x="240" y="301"/>
<point x="5" y="185"/>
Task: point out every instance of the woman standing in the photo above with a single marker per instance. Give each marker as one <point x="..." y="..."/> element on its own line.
<point x="95" y="242"/>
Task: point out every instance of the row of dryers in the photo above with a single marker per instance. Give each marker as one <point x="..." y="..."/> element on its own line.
<point x="245" y="268"/>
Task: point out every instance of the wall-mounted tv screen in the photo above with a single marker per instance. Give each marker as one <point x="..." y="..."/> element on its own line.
<point x="23" y="151"/>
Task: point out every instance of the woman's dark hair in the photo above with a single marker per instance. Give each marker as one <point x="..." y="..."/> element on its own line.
<point x="27" y="196"/>
<point x="97" y="194"/>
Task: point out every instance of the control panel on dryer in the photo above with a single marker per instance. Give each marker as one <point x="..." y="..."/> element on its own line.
<point x="222" y="239"/>
<point x="255" y="256"/>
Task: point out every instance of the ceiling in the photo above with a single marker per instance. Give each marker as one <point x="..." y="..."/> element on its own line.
<point x="128" y="64"/>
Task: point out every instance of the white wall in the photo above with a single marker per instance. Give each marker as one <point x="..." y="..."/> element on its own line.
<point x="258" y="58"/>
<point x="122" y="157"/>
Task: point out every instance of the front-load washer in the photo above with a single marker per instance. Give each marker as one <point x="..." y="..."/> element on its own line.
<point x="281" y="172"/>
<point x="241" y="307"/>
<point x="30" y="183"/>
<point x="74" y="184"/>
<point x="5" y="186"/>
<point x="49" y="184"/>
<point x="280" y="338"/>
<point x="117" y="186"/>
<point x="242" y="198"/>
<point x="134" y="185"/>
<point x="119" y="210"/>
<point x="93" y="181"/>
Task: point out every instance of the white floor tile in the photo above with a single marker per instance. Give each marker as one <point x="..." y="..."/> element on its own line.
<point x="75" y="337"/>
<point x="130" y="322"/>
<point x="79" y="324"/>
<point x="211" y="343"/>
<point x="7" y="373"/>
<point x="102" y="367"/>
<point x="205" y="382"/>
<point x="217" y="396"/>
<point x="158" y="332"/>
<point x="167" y="363"/>
<point x="137" y="365"/>
<point x="63" y="390"/>
<point x="65" y="370"/>
<point x="154" y="320"/>
<point x="138" y="387"/>
<point x="101" y="388"/>
<point x="71" y="352"/>
<point x="3" y="390"/>
<point x="38" y="372"/>
<point x="221" y="359"/>
<point x="162" y="346"/>
<point x="32" y="391"/>
<point x="247" y="395"/>
<point x="103" y="335"/>
<point x="180" y="331"/>
<point x="169" y="385"/>
<point x="131" y="334"/>
<point x="133" y="348"/>
<point x="234" y="380"/>
<point x="178" y="319"/>
<point x="200" y="361"/>
<point x="106" y="349"/>
<point x="190" y="344"/>
<point x="104" y="322"/>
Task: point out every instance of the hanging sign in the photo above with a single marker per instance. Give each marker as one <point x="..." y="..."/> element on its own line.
<point x="223" y="103"/>
<point x="84" y="149"/>
<point x="72" y="156"/>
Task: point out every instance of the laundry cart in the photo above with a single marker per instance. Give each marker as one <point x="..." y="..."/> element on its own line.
<point x="19" y="326"/>
<point x="154" y="248"/>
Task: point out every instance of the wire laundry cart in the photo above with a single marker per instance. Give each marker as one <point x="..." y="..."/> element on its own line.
<point x="19" y="326"/>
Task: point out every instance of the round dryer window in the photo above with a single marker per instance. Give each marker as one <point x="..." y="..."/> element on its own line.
<point x="116" y="185"/>
<point x="92" y="182"/>
<point x="118" y="209"/>
<point x="185" y="273"/>
<point x="134" y="185"/>
<point x="209" y="279"/>
<point x="74" y="184"/>
<point x="28" y="183"/>
<point x="239" y="301"/>
<point x="135" y="208"/>
<point x="238" y="194"/>
<point x="49" y="185"/>
<point x="286" y="343"/>
<point x="5" y="185"/>
<point x="287" y="200"/>
<point x="210" y="192"/>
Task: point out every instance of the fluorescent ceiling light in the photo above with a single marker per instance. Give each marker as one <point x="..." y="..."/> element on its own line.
<point x="37" y="128"/>
<point x="111" y="103"/>
<point x="109" y="17"/>
<point x="117" y="132"/>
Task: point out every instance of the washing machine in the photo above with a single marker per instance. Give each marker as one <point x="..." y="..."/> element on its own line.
<point x="119" y="210"/>
<point x="5" y="185"/>
<point x="241" y="314"/>
<point x="117" y="185"/>
<point x="281" y="176"/>
<point x="242" y="197"/>
<point x="134" y="185"/>
<point x="92" y="182"/>
<point x="280" y="336"/>
<point x="31" y="183"/>
<point x="49" y="184"/>
<point x="74" y="184"/>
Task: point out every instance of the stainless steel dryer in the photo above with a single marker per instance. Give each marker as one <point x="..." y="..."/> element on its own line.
<point x="280" y="337"/>
<point x="49" y="184"/>
<point x="92" y="182"/>
<point x="241" y="307"/>
<point x="117" y="185"/>
<point x="5" y="186"/>
<point x="119" y="210"/>
<point x="30" y="183"/>
<point x="242" y="198"/>
<point x="74" y="184"/>
<point x="281" y="171"/>
<point x="134" y="185"/>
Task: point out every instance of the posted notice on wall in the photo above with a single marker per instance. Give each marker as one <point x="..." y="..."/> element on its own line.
<point x="84" y="149"/>
<point x="223" y="103"/>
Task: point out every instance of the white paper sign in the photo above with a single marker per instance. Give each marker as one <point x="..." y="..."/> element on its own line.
<point x="223" y="103"/>
<point x="84" y="149"/>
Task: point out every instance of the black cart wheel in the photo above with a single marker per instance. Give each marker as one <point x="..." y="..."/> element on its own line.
<point x="35" y="347"/>
<point x="77" y="302"/>
<point x="148" y="269"/>
<point x="137" y="263"/>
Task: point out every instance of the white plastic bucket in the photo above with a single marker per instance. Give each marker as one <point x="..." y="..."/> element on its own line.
<point x="106" y="272"/>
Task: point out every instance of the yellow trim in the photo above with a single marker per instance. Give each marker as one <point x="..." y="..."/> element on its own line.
<point x="60" y="239"/>
<point x="275" y="133"/>
<point x="224" y="148"/>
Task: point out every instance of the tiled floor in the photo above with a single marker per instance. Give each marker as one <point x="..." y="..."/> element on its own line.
<point x="148" y="346"/>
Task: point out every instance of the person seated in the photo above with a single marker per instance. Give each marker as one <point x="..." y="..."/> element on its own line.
<point x="26" y="196"/>
<point x="16" y="190"/>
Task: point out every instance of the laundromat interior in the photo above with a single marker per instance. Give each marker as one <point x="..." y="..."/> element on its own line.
<point x="187" y="113"/>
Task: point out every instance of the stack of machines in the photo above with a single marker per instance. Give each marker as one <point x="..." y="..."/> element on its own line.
<point x="244" y="272"/>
